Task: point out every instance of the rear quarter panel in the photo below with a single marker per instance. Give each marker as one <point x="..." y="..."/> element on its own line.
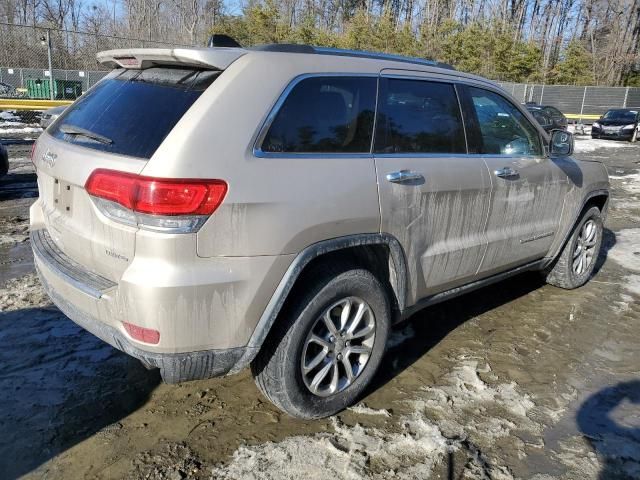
<point x="274" y="206"/>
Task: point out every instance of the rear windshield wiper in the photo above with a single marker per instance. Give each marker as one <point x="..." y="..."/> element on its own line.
<point x="73" y="130"/>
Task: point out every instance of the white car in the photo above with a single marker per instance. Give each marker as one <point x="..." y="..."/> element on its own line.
<point x="51" y="115"/>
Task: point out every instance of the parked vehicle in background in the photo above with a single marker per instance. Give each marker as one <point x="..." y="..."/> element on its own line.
<point x="51" y="115"/>
<point x="549" y="118"/>
<point x="617" y="123"/>
<point x="7" y="90"/>
<point x="543" y="119"/>
<point x="283" y="206"/>
<point x="4" y="161"/>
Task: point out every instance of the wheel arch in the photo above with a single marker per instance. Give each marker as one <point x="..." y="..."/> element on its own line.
<point x="370" y="251"/>
<point x="595" y="198"/>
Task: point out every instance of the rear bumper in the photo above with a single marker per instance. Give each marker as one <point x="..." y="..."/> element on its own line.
<point x="175" y="367"/>
<point x="93" y="303"/>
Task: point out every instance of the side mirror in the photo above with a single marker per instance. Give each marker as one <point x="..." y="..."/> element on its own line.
<point x="561" y="144"/>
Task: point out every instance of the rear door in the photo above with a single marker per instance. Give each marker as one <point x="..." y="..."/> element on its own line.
<point x="434" y="198"/>
<point x="528" y="188"/>
<point x="117" y="125"/>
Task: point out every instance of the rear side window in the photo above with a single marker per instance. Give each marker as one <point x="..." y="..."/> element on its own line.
<point x="504" y="130"/>
<point x="416" y="116"/>
<point x="132" y="111"/>
<point x="325" y="115"/>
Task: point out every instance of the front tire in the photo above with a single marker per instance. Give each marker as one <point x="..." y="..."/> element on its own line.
<point x="327" y="345"/>
<point x="578" y="258"/>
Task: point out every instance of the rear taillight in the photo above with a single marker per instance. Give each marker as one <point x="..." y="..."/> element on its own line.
<point x="172" y="205"/>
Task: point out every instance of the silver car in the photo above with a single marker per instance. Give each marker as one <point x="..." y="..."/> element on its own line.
<point x="282" y="207"/>
<point x="51" y="115"/>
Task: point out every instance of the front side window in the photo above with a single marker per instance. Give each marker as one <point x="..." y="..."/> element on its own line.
<point x="504" y="130"/>
<point x="416" y="116"/>
<point x="325" y="115"/>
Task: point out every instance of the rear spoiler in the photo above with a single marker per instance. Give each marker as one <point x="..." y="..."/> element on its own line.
<point x="140" y="58"/>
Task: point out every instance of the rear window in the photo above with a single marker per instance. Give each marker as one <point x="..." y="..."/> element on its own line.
<point x="132" y="111"/>
<point x="325" y="115"/>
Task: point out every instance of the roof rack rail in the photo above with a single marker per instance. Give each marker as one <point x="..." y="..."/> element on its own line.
<point x="297" y="48"/>
<point x="284" y="48"/>
<point x="381" y="56"/>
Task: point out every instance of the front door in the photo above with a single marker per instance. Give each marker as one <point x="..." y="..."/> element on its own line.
<point x="434" y="198"/>
<point x="528" y="189"/>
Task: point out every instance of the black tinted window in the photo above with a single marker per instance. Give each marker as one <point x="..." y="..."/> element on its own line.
<point x="325" y="114"/>
<point x="541" y="117"/>
<point x="623" y="115"/>
<point x="132" y="111"/>
<point x="554" y="113"/>
<point x="504" y="129"/>
<point x="415" y="116"/>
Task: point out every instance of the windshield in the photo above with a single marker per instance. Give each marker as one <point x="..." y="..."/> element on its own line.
<point x="132" y="111"/>
<point x="624" y="115"/>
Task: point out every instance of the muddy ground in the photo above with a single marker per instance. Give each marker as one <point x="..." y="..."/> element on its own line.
<point x="517" y="380"/>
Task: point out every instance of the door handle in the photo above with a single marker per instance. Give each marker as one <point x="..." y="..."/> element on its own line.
<point x="506" y="172"/>
<point x="405" y="176"/>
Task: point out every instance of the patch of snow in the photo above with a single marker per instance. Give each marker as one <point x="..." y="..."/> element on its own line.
<point x="21" y="165"/>
<point x="362" y="409"/>
<point x="460" y="409"/>
<point x="626" y="251"/>
<point x="466" y="398"/>
<point x="20" y="130"/>
<point x="348" y="453"/>
<point x="623" y="304"/>
<point x="630" y="183"/>
<point x="632" y="283"/>
<point x="9" y="115"/>
<point x="582" y="462"/>
<point x="590" y="144"/>
<point x="586" y="129"/>
<point x="22" y="293"/>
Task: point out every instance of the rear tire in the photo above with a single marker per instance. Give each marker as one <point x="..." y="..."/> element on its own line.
<point x="578" y="258"/>
<point x="285" y="368"/>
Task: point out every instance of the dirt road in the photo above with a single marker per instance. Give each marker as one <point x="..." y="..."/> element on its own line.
<point x="517" y="380"/>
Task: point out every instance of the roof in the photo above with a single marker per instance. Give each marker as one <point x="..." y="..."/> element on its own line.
<point x="308" y="49"/>
<point x="220" y="58"/>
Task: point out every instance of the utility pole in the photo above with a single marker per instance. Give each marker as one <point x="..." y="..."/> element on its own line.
<point x="50" y="64"/>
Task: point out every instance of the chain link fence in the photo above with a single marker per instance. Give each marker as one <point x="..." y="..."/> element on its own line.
<point x="584" y="104"/>
<point x="43" y="63"/>
<point x="51" y="64"/>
